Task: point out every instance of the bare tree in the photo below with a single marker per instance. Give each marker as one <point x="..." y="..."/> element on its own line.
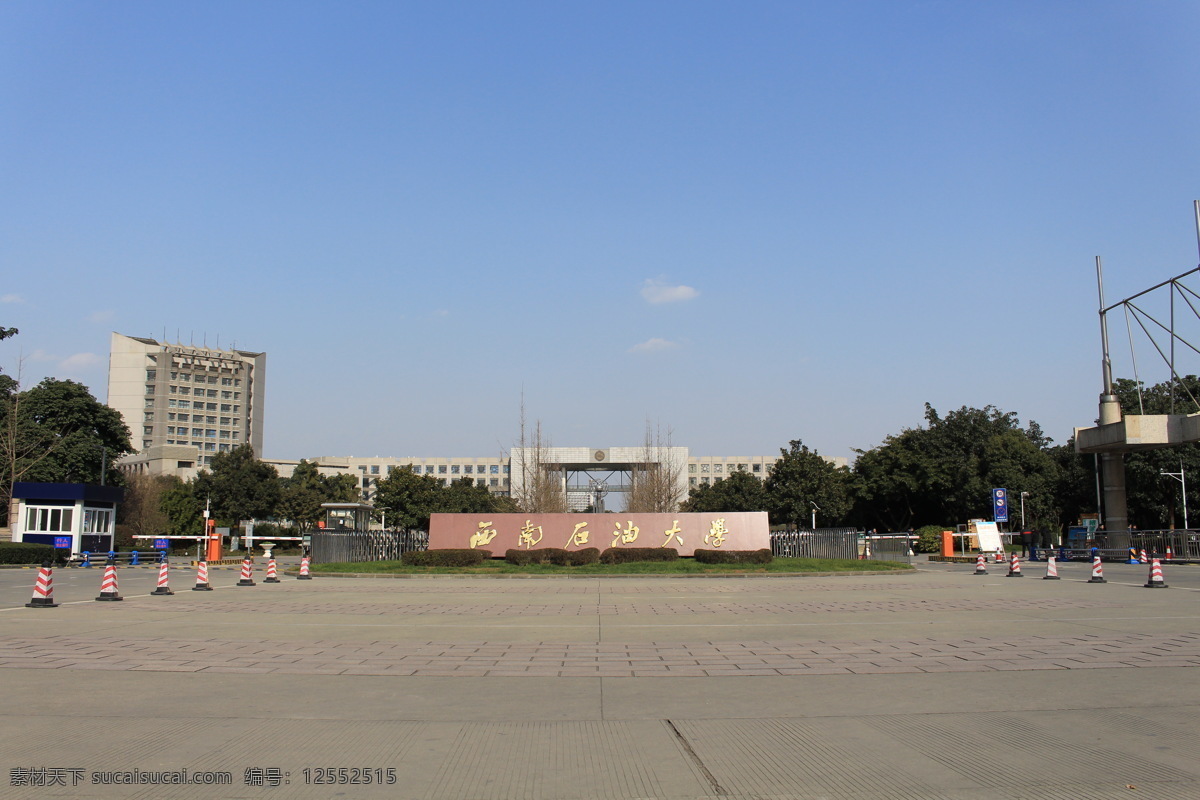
<point x="141" y="509"/>
<point x="537" y="482"/>
<point x="656" y="482"/>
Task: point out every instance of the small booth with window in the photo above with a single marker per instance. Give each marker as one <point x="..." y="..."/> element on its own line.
<point x="346" y="517"/>
<point x="74" y="516"/>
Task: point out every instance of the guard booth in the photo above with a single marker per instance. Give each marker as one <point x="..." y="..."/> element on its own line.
<point x="346" y="517"/>
<point x="74" y="516"/>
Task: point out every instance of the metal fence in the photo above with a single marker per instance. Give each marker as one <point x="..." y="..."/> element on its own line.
<point x="819" y="543"/>
<point x="1184" y="545"/>
<point x="329" y="546"/>
<point x="890" y="547"/>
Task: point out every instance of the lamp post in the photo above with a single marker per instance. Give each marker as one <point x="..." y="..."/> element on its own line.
<point x="1023" y="496"/>
<point x="1182" y="478"/>
<point x="815" y="509"/>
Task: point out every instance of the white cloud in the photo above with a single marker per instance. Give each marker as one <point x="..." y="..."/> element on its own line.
<point x="659" y="291"/>
<point x="11" y="298"/>
<point x="79" y="361"/>
<point x="100" y="316"/>
<point x="655" y="345"/>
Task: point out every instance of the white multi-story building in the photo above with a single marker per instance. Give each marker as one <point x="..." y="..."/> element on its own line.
<point x="184" y="404"/>
<point x="581" y="469"/>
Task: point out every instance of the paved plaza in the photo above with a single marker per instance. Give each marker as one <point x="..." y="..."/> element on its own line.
<point x="931" y="684"/>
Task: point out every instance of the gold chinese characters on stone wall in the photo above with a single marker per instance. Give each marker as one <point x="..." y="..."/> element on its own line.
<point x="684" y="532"/>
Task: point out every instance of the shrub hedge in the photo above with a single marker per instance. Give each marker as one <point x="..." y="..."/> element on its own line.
<point x="553" y="555"/>
<point x="626" y="555"/>
<point x="463" y="557"/>
<point x="30" y="553"/>
<point x="929" y="538"/>
<point x="734" y="556"/>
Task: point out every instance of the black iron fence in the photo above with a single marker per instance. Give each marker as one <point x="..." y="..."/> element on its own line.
<point x="338" y="546"/>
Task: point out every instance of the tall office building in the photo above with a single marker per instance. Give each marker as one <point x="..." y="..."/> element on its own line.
<point x="184" y="404"/>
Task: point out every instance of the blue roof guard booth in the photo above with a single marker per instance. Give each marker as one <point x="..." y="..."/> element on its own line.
<point x="77" y="516"/>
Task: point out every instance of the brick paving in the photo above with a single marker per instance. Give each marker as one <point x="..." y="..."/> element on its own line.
<point x="614" y="609"/>
<point x="545" y="659"/>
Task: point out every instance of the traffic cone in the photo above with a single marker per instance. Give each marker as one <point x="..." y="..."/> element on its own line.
<point x="980" y="565"/>
<point x="1155" y="581"/>
<point x="999" y="557"/>
<point x="43" y="588"/>
<point x="108" y="586"/>
<point x="1051" y="569"/>
<point x="304" y="576"/>
<point x="164" y="579"/>
<point x="247" y="573"/>
<point x="272" y="573"/>
<point x="1097" y="571"/>
<point x="1169" y="555"/>
<point x="1142" y="558"/>
<point x="202" y="578"/>
<point x="1014" y="569"/>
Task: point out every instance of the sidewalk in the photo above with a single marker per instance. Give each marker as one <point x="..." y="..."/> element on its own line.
<point x="934" y="684"/>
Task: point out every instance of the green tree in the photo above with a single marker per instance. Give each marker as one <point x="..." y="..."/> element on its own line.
<point x="57" y="432"/>
<point x="182" y="508"/>
<point x="302" y="493"/>
<point x="464" y="496"/>
<point x="141" y="508"/>
<point x="801" y="479"/>
<point x="741" y="491"/>
<point x="408" y="498"/>
<point x="240" y="486"/>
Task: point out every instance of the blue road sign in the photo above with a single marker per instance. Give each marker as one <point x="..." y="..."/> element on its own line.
<point x="62" y="542"/>
<point x="1000" y="504"/>
<point x="161" y="544"/>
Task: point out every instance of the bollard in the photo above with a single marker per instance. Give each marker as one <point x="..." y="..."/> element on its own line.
<point x="86" y="561"/>
<point x="133" y="558"/>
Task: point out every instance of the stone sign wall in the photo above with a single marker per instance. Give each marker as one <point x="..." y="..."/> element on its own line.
<point x="685" y="532"/>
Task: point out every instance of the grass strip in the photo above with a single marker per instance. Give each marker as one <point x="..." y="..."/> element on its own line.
<point x="684" y="566"/>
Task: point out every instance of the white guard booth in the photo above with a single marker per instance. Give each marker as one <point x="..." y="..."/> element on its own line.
<point x="75" y="516"/>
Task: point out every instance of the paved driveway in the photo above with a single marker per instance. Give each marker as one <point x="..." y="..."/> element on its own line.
<point x="932" y="684"/>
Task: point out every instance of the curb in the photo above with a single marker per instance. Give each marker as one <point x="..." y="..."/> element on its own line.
<point x="417" y="576"/>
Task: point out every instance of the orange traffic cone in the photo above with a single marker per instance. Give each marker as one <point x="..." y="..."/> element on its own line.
<point x="980" y="565"/>
<point x="247" y="573"/>
<point x="202" y="578"/>
<point x="1014" y="569"/>
<point x="164" y="579"/>
<point x="1155" y="581"/>
<point x="108" y="586"/>
<point x="304" y="576"/>
<point x="43" y="588"/>
<point x="1051" y="569"/>
<point x="272" y="571"/>
<point x="1097" y="571"/>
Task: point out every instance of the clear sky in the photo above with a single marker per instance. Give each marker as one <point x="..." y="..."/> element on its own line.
<point x="748" y="222"/>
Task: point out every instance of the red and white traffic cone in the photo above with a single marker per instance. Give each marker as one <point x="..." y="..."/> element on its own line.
<point x="108" y="586"/>
<point x="1051" y="569"/>
<point x="272" y="572"/>
<point x="1014" y="568"/>
<point x="999" y="557"/>
<point x="304" y="576"/>
<point x="980" y="565"/>
<point x="43" y="588"/>
<point x="1169" y="555"/>
<point x="1097" y="571"/>
<point x="202" y="578"/>
<point x="1142" y="556"/>
<point x="1155" y="581"/>
<point x="247" y="573"/>
<point x="164" y="579"/>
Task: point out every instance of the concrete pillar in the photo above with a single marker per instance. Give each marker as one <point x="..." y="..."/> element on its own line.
<point x="1112" y="477"/>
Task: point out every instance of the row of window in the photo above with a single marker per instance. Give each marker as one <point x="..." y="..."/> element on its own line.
<point x="173" y="389"/>
<point x="226" y="408"/>
<point x="211" y="447"/>
<point x="39" y="519"/>
<point x="718" y="468"/>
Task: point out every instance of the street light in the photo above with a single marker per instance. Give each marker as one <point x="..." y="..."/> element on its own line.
<point x="1182" y="478"/>
<point x="1023" y="496"/>
<point x="816" y="508"/>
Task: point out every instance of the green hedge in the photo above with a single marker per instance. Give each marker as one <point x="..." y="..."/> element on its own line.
<point x="30" y="553"/>
<point x="627" y="555"/>
<point x="734" y="556"/>
<point x="445" y="558"/>
<point x="929" y="538"/>
<point x="553" y="555"/>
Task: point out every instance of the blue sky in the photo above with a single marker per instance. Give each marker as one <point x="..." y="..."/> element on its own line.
<point x="747" y="222"/>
